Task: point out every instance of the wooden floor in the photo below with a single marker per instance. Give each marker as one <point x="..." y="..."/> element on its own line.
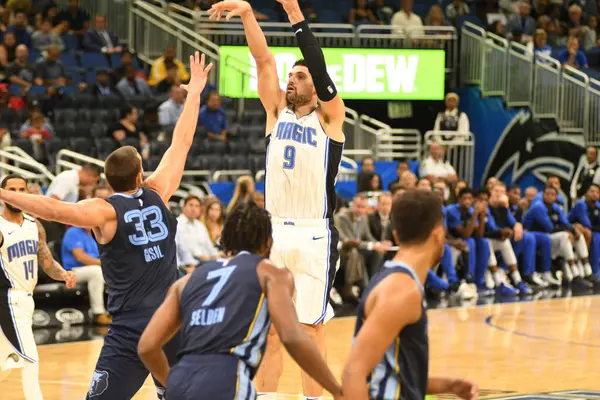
<point x="508" y="349"/>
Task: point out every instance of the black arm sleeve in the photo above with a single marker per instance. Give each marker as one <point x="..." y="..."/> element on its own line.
<point x="315" y="61"/>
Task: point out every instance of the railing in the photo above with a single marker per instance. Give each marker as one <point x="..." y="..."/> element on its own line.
<point x="460" y="151"/>
<point x="538" y="82"/>
<point x="520" y="76"/>
<point x="69" y="159"/>
<point x="394" y="144"/>
<point x="15" y="160"/>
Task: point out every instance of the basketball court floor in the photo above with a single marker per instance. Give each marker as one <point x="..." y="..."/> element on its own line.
<point x="545" y="349"/>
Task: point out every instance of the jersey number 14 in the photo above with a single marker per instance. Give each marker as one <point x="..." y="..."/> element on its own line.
<point x="29" y="270"/>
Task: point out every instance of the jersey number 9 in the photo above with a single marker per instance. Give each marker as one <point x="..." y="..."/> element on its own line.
<point x="158" y="230"/>
<point x="289" y="155"/>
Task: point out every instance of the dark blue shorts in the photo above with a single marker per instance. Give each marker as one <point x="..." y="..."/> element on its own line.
<point x="214" y="377"/>
<point x="119" y="372"/>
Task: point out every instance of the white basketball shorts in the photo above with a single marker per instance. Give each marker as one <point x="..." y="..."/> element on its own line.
<point x="17" y="343"/>
<point x="308" y="248"/>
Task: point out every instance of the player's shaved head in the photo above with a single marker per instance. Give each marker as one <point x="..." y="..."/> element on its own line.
<point x="122" y="168"/>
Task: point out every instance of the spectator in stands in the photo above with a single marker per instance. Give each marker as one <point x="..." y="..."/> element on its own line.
<point x="540" y="43"/>
<point x="586" y="213"/>
<point x="367" y="169"/>
<point x="15" y="103"/>
<point x="509" y="7"/>
<point x="131" y="85"/>
<point x="170" y="110"/>
<point x="574" y="25"/>
<point x="102" y="192"/>
<point x="590" y="34"/>
<point x="516" y="204"/>
<point x="20" y="72"/>
<point x="357" y="243"/>
<point x="434" y="168"/>
<point x="490" y="183"/>
<point x="20" y="29"/>
<point x="80" y="254"/>
<point x="441" y="188"/>
<point x="244" y="187"/>
<point x="406" y="20"/>
<point x="99" y="39"/>
<point x="51" y="71"/>
<point x="425" y="184"/>
<point x="408" y="180"/>
<point x="554" y="181"/>
<point x="555" y="28"/>
<point x="452" y="119"/>
<point x="435" y="17"/>
<point x="8" y="50"/>
<point x="360" y="14"/>
<point x="379" y="226"/>
<point x="213" y="218"/>
<point x="213" y="118"/>
<point x="400" y="168"/>
<point x="540" y="8"/>
<point x="103" y="85"/>
<point x="586" y="174"/>
<point x="460" y="184"/>
<point x="65" y="186"/>
<point x="76" y="18"/>
<point x="127" y="128"/>
<point x="171" y="80"/>
<point x="457" y="8"/>
<point x="258" y="198"/>
<point x="522" y="21"/>
<point x="382" y="11"/>
<point x="37" y="129"/>
<point x="158" y="72"/>
<point x="192" y="234"/>
<point x="45" y="37"/>
<point x="126" y="61"/>
<point x="497" y="28"/>
<point x="34" y="188"/>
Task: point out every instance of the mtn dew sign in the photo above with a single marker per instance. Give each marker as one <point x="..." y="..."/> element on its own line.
<point x="359" y="74"/>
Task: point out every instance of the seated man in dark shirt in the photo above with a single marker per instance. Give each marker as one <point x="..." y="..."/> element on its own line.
<point x="51" y="71"/>
<point x="20" y="29"/>
<point x="103" y="86"/>
<point x="20" y="72"/>
<point x="77" y="18"/>
<point x="212" y="117"/>
<point x="171" y="80"/>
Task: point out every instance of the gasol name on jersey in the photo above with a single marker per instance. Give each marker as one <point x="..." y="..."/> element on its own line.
<point x="297" y="133"/>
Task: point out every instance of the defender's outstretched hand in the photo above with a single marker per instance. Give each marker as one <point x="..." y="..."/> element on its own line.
<point x="232" y="7"/>
<point x="199" y="74"/>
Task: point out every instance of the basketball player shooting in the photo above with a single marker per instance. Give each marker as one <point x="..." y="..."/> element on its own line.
<point x="22" y="246"/>
<point x="304" y="149"/>
<point x="391" y="348"/>
<point x="136" y="234"/>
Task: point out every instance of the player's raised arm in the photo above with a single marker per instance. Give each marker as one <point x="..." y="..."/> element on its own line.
<point x="271" y="95"/>
<point x="278" y="285"/>
<point x="90" y="213"/>
<point x="50" y="266"/>
<point x="167" y="177"/>
<point x="162" y="327"/>
<point x="400" y="306"/>
<point x="332" y="106"/>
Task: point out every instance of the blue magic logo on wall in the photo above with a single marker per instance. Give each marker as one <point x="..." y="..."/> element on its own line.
<point x="528" y="151"/>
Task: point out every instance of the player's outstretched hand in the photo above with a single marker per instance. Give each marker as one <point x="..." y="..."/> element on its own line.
<point x="465" y="389"/>
<point x="232" y="7"/>
<point x="70" y="279"/>
<point x="199" y="74"/>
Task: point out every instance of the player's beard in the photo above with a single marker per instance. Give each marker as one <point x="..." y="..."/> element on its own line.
<point x="296" y="99"/>
<point x="12" y="209"/>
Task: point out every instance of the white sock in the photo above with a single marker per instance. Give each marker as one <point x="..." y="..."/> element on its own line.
<point x="30" y="379"/>
<point x="575" y="269"/>
<point x="497" y="277"/>
<point x="516" y="277"/>
<point x="587" y="269"/>
<point x="568" y="271"/>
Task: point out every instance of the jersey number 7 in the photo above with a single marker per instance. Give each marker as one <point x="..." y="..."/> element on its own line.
<point x="223" y="274"/>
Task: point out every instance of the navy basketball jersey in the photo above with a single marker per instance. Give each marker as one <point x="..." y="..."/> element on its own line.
<point x="403" y="371"/>
<point x="139" y="263"/>
<point x="224" y="311"/>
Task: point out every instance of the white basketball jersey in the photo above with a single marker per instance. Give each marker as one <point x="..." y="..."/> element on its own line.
<point x="19" y="254"/>
<point x="301" y="169"/>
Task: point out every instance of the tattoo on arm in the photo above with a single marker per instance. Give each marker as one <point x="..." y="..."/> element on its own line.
<point x="50" y="266"/>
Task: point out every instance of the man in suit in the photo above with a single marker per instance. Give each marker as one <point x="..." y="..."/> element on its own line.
<point x="356" y="242"/>
<point x="379" y="226"/>
<point x="103" y="85"/>
<point x="522" y="22"/>
<point x="99" y="40"/>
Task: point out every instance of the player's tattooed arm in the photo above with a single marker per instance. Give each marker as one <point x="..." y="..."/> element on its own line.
<point x="50" y="266"/>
